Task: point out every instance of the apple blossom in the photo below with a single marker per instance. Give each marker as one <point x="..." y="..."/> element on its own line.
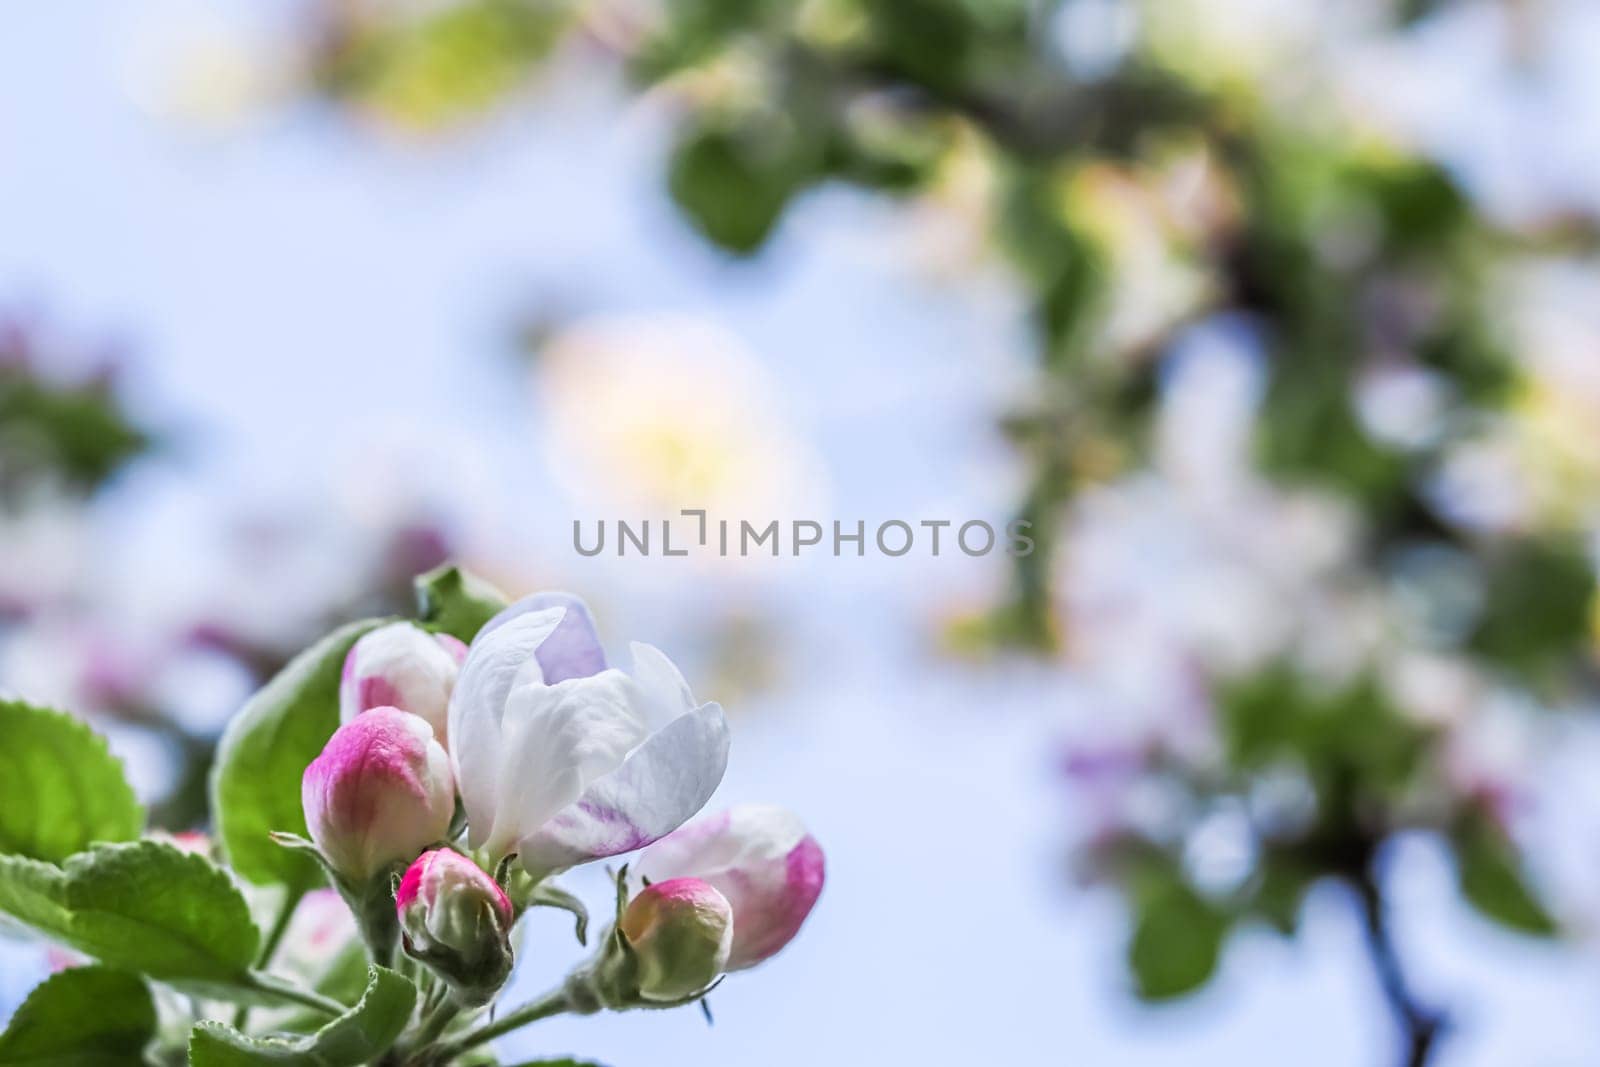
<point x="380" y="792"/>
<point x="402" y="666"/>
<point x="761" y="859"/>
<point x="561" y="760"/>
<point x="680" y="932"/>
<point x="457" y="920"/>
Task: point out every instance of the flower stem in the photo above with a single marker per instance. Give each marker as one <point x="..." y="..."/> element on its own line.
<point x="270" y="946"/>
<point x="372" y="905"/>
<point x="280" y="926"/>
<point x="435" y="1022"/>
<point x="286" y="990"/>
<point x="555" y="1002"/>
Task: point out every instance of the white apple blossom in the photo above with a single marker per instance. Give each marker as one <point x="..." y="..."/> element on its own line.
<point x="562" y="760"/>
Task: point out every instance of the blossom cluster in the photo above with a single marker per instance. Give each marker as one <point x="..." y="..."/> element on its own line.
<point x="555" y="759"/>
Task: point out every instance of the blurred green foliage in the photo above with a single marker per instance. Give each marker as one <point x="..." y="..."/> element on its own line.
<point x="73" y="434"/>
<point x="423" y="66"/>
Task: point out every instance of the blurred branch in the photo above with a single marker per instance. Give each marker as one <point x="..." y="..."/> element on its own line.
<point x="1040" y="117"/>
<point x="1421" y="1024"/>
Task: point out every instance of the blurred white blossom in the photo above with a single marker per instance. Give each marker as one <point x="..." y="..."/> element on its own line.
<point x="647" y="415"/>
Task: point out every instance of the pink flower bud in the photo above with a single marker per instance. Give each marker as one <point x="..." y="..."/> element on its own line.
<point x="380" y="792"/>
<point x="761" y="860"/>
<point x="402" y="666"/>
<point x="680" y="932"/>
<point x="457" y="920"/>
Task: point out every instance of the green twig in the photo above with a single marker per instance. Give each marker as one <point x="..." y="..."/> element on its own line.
<point x="285" y="990"/>
<point x="556" y="1002"/>
<point x="269" y="947"/>
<point x="434" y="1024"/>
<point x="279" y="927"/>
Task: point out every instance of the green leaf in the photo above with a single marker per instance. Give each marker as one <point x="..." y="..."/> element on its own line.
<point x="1349" y="733"/>
<point x="255" y="786"/>
<point x="144" y="906"/>
<point x="1280" y="891"/>
<point x="734" y="183"/>
<point x="457" y="602"/>
<point x="1177" y="940"/>
<point x="1491" y="881"/>
<point x="361" y="1035"/>
<point x="60" y="787"/>
<point x="441" y="65"/>
<point x="33" y="892"/>
<point x="1537" y="611"/>
<point x="84" y="1017"/>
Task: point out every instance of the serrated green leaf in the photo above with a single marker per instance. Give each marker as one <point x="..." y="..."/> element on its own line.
<point x="34" y="893"/>
<point x="361" y="1035"/>
<point x="343" y="979"/>
<point x="61" y="789"/>
<point x="456" y="602"/>
<point x="83" y="1017"/>
<point x="255" y="786"/>
<point x="1491" y="881"/>
<point x="144" y="906"/>
<point x="1177" y="940"/>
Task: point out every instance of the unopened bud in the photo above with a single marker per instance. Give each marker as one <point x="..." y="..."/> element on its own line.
<point x="758" y="857"/>
<point x="380" y="792"/>
<point x="680" y="933"/>
<point x="402" y="666"/>
<point x="457" y="920"/>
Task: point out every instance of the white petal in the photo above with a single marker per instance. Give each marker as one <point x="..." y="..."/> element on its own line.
<point x="573" y="650"/>
<point x="497" y="661"/>
<point x="658" y="787"/>
<point x="663" y="694"/>
<point x="744" y="836"/>
<point x="556" y="740"/>
<point x="403" y="666"/>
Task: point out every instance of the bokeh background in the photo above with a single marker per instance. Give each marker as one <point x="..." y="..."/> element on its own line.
<point x="1277" y="319"/>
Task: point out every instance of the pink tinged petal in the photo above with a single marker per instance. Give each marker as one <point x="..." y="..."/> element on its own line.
<point x="766" y="930"/>
<point x="661" y="784"/>
<point x="379" y="793"/>
<point x="410" y="887"/>
<point x="573" y="649"/>
<point x="376" y="692"/>
<point x="399" y="666"/>
<point x="761" y="859"/>
<point x="438" y="876"/>
<point x="498" y="660"/>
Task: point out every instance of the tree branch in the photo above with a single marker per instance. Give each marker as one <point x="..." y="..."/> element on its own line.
<point x="1422" y="1025"/>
